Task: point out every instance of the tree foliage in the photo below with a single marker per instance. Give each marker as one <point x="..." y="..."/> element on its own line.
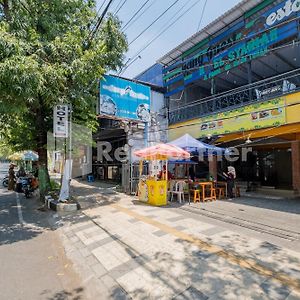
<point x="47" y="57"/>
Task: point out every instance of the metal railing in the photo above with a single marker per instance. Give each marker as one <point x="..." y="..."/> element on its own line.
<point x="256" y="92"/>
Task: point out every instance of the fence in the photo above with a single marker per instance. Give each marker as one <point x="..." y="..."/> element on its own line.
<point x="255" y="92"/>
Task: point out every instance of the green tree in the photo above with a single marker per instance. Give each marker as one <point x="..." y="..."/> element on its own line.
<point x="48" y="56"/>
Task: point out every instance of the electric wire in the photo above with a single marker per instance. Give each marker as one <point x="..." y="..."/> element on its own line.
<point x="116" y="12"/>
<point x="100" y="19"/>
<point x="135" y="14"/>
<point x="141" y="14"/>
<point x="97" y="15"/>
<point x="117" y="6"/>
<point x="163" y="31"/>
<point x="202" y="15"/>
<point x="153" y="22"/>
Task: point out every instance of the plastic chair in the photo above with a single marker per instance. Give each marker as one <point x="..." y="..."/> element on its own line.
<point x="179" y="191"/>
<point x="186" y="191"/>
<point x="90" y="178"/>
<point x="171" y="187"/>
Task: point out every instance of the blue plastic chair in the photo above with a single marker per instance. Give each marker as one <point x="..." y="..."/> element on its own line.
<point x="90" y="178"/>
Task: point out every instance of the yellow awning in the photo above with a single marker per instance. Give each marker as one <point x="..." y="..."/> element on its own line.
<point x="293" y="130"/>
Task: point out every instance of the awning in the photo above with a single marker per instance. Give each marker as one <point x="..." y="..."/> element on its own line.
<point x="290" y="132"/>
<point x="190" y="144"/>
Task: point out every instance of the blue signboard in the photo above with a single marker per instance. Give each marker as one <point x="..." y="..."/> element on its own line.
<point x="124" y="99"/>
<point x="244" y="41"/>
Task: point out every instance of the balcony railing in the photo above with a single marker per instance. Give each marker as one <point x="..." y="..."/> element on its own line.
<point x="256" y="92"/>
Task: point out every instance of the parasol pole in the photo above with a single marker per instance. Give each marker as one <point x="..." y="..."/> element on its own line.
<point x="166" y="170"/>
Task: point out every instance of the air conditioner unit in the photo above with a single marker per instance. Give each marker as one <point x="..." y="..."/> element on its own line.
<point x="141" y="125"/>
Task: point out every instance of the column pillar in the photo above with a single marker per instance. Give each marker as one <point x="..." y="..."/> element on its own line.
<point x="249" y="75"/>
<point x="213" y="86"/>
<point x="213" y="166"/>
<point x="296" y="166"/>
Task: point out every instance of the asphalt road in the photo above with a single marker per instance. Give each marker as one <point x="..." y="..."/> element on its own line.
<point x="32" y="261"/>
<point x="3" y="169"/>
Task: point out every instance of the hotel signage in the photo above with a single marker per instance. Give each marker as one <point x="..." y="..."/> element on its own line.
<point x="61" y="121"/>
<point x="283" y="12"/>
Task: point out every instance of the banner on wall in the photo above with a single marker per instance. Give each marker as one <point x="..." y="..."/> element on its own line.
<point x="124" y="99"/>
<point x="273" y="113"/>
<point x="256" y="116"/>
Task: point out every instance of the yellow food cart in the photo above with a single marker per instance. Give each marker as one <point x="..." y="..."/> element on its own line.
<point x="152" y="190"/>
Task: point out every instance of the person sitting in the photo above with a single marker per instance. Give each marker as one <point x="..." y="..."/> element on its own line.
<point x="163" y="174"/>
<point x="21" y="172"/>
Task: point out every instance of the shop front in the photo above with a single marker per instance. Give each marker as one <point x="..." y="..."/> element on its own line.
<point x="266" y="136"/>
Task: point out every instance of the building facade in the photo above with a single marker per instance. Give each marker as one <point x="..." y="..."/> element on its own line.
<point x="236" y="83"/>
<point x="132" y="115"/>
<point x="152" y="75"/>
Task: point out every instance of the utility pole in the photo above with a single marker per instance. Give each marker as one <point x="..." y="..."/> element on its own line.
<point x="70" y="140"/>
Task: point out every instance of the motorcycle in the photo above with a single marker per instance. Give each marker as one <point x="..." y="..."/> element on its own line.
<point x="29" y="186"/>
<point x="5" y="181"/>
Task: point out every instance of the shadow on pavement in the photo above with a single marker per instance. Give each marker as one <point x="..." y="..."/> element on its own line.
<point x="12" y="229"/>
<point x="90" y="195"/>
<point x="76" y="294"/>
<point x="281" y="205"/>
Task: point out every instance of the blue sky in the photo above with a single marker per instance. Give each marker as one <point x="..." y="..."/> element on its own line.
<point x="180" y="31"/>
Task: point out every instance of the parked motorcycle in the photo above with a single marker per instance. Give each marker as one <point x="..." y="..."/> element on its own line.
<point x="29" y="185"/>
<point x="5" y="181"/>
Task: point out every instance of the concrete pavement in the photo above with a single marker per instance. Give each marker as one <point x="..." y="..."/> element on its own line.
<point x="127" y="250"/>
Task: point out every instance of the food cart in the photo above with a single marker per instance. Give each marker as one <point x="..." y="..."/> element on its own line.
<point x="152" y="189"/>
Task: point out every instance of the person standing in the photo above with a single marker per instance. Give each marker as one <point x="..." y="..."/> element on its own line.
<point x="230" y="177"/>
<point x="163" y="174"/>
<point x="21" y="172"/>
<point x="11" y="178"/>
<point x="192" y="173"/>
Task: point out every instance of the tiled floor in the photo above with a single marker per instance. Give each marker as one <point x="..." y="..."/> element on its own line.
<point x="140" y="252"/>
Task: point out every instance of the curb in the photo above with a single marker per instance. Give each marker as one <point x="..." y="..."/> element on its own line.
<point x="262" y="196"/>
<point x="56" y="205"/>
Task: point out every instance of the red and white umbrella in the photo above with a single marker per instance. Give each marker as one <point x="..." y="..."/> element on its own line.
<point x="162" y="152"/>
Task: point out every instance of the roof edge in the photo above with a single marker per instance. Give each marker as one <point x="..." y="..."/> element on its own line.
<point x="240" y="6"/>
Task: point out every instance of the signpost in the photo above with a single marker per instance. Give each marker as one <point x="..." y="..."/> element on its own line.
<point x="62" y="128"/>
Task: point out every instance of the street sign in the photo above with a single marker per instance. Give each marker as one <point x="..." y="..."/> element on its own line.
<point x="60" y="121"/>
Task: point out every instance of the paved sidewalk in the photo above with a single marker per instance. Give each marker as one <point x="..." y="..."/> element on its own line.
<point x="127" y="250"/>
